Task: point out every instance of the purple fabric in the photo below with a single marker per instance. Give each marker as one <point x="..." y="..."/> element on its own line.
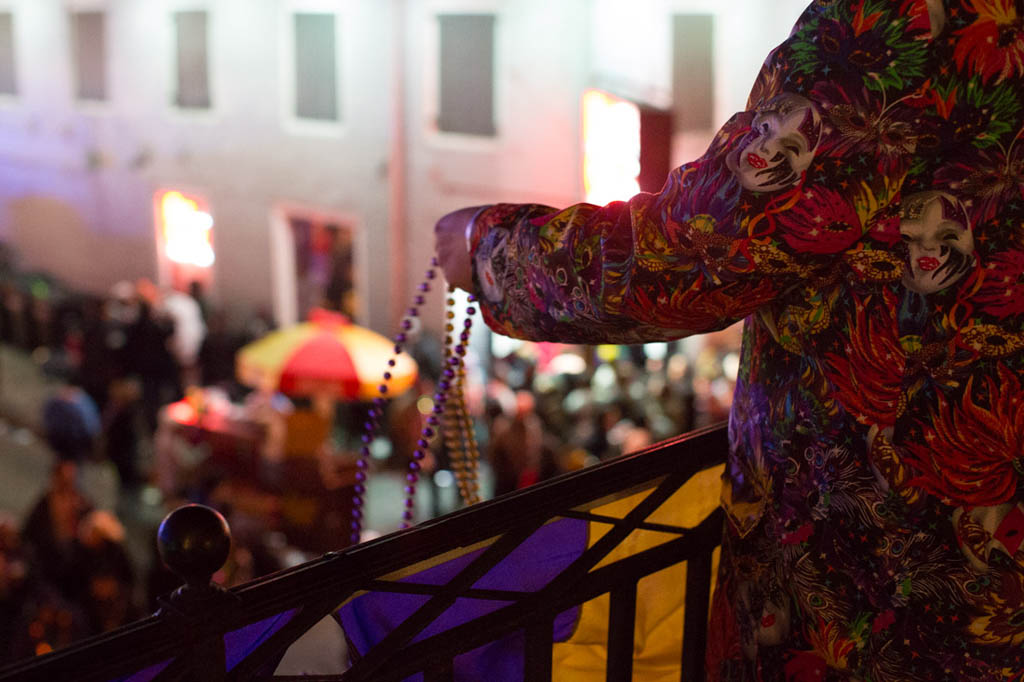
<point x="237" y="645"/>
<point x="367" y="619"/>
<point x="242" y="642"/>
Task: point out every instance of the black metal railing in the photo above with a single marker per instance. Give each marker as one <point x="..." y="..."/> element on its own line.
<point x="205" y="633"/>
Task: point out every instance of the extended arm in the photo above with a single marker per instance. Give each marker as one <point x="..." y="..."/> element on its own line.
<point x="783" y="190"/>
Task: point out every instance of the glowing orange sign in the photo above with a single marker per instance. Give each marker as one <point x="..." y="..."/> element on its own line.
<point x="187" y="231"/>
<point x="611" y="147"/>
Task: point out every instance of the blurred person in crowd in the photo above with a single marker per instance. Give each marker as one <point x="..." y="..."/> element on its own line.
<point x="216" y="357"/>
<point x="34" y="616"/>
<point x="120" y="312"/>
<point x="13" y="574"/>
<point x="11" y="318"/>
<point x="272" y="409"/>
<point x="121" y="308"/>
<point x="188" y="331"/>
<point x="66" y="335"/>
<point x="50" y="531"/>
<point x="198" y="293"/>
<point x="518" y="451"/>
<point x="99" y="363"/>
<point x="39" y="317"/>
<point x="404" y="425"/>
<point x="106" y="591"/>
<point x="632" y="434"/>
<point x="121" y="437"/>
<point x="258" y="325"/>
<point x="339" y="289"/>
<point x="606" y="414"/>
<point x="71" y="421"/>
<point x="149" y="359"/>
<point x="864" y="217"/>
<point x="255" y="550"/>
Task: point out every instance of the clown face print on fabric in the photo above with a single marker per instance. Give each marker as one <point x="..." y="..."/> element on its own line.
<point x="780" y="145"/>
<point x="940" y="247"/>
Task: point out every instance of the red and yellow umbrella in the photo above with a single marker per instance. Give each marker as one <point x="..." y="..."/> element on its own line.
<point x="328" y="355"/>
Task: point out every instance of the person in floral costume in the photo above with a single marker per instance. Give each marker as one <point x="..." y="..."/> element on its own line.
<point x="865" y="218"/>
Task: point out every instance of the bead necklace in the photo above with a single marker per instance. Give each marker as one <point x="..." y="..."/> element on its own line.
<point x="449" y="414"/>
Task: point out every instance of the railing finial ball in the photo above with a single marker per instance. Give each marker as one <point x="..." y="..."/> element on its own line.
<point x="194" y="541"/>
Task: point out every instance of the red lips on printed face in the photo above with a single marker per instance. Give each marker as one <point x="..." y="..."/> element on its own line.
<point x="756" y="161"/>
<point x="927" y="263"/>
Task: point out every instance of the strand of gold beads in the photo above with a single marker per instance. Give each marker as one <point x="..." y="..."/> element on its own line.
<point x="460" y="440"/>
<point x="459" y="436"/>
<point x="471" y="453"/>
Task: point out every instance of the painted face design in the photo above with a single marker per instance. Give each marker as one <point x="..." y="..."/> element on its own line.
<point x="940" y="246"/>
<point x="780" y="145"/>
<point x="768" y="626"/>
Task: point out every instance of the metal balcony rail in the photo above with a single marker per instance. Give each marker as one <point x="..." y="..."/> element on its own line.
<point x="526" y="562"/>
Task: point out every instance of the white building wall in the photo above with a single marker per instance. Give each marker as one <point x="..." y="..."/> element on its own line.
<point x="245" y="155"/>
<point x="540" y="70"/>
<point x="80" y="178"/>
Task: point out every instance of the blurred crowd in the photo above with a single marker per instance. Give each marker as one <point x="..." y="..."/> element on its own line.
<point x="544" y="409"/>
<point x="110" y="363"/>
<point x="115" y="360"/>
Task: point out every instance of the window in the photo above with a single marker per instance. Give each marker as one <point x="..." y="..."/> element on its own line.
<point x="466" y="101"/>
<point x="8" y="82"/>
<point x="193" y="79"/>
<point x="185" y="238"/>
<point x="89" y="52"/>
<point x="316" y="87"/>
<point x="692" y="75"/>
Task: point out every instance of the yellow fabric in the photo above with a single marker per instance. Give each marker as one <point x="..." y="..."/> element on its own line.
<point x="657" y="642"/>
<point x="259" y="363"/>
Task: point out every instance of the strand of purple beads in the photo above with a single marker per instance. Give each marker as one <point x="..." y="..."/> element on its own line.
<point x="376" y="412"/>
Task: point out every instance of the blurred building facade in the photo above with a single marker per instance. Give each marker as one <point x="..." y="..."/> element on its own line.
<point x="292" y="152"/>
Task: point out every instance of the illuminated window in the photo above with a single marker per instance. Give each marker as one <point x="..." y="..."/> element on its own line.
<point x="8" y="82"/>
<point x="316" y="59"/>
<point x="693" y="93"/>
<point x="611" y="147"/>
<point x="193" y="79"/>
<point x="466" y="74"/>
<point x="88" y="49"/>
<point x="187" y="231"/>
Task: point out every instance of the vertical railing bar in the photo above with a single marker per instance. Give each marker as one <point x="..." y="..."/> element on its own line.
<point x="695" y="616"/>
<point x="621" y="624"/>
<point x="540" y="639"/>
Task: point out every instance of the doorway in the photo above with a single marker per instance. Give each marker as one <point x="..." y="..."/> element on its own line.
<point x="324" y="265"/>
<point x="316" y="257"/>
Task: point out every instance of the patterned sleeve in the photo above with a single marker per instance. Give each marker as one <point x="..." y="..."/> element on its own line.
<point x="783" y="191"/>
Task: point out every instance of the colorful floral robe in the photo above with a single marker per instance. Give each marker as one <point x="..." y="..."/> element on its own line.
<point x="865" y="218"/>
